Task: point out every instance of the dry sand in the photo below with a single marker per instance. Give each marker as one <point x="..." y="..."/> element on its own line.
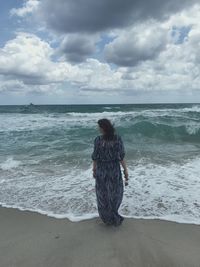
<point x="29" y="239"/>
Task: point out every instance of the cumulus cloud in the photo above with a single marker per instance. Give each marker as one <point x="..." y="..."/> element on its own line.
<point x="28" y="58"/>
<point x="17" y="86"/>
<point x="142" y="42"/>
<point x="93" y="16"/>
<point x="148" y="55"/>
<point x="77" y="47"/>
<point x="97" y="76"/>
<point x="80" y="21"/>
<point x="26" y="63"/>
<point x="29" y="6"/>
<point x="10" y="85"/>
<point x="176" y="68"/>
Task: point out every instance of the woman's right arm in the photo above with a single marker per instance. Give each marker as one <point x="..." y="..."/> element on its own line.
<point x="122" y="155"/>
<point x="123" y="163"/>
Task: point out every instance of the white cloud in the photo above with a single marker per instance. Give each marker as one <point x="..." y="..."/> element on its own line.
<point x="27" y="63"/>
<point x="138" y="43"/>
<point x="153" y="58"/>
<point x="97" y="76"/>
<point x="186" y="17"/>
<point x="29" y="6"/>
<point x="29" y="58"/>
<point x="175" y="68"/>
<point x="10" y="85"/>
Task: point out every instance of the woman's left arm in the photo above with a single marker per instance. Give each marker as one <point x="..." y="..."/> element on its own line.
<point x="95" y="156"/>
<point x="94" y="168"/>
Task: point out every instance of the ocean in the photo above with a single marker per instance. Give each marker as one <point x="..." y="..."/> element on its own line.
<point x="46" y="166"/>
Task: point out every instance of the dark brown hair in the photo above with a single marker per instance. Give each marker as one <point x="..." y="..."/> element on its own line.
<point x="108" y="128"/>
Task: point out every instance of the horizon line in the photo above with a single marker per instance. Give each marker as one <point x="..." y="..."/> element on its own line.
<point x="152" y="103"/>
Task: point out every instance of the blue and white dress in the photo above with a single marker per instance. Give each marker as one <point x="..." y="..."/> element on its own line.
<point x="108" y="180"/>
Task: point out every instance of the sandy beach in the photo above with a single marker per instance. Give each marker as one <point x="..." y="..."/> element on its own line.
<point x="29" y="239"/>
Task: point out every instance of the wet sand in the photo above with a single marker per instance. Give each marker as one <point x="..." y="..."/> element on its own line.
<point x="29" y="239"/>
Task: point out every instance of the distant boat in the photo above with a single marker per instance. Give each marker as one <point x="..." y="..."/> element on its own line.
<point x="28" y="108"/>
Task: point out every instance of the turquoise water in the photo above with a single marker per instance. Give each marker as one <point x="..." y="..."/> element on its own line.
<point x="45" y="162"/>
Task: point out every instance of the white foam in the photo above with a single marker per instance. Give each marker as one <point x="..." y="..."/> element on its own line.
<point x="69" y="216"/>
<point x="10" y="163"/>
<point x="192" y="109"/>
<point x="160" y="191"/>
<point x="193" y="128"/>
<point x="72" y="218"/>
<point x="169" y="192"/>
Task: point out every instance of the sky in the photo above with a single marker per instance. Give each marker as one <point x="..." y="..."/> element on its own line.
<point x="96" y="52"/>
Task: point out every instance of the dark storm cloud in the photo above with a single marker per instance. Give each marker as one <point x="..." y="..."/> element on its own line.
<point x="76" y="48"/>
<point x="99" y="15"/>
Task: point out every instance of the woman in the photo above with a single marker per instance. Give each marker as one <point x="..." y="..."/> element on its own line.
<point x="107" y="155"/>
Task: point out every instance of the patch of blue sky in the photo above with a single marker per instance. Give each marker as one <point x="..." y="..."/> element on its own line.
<point x="99" y="52"/>
<point x="7" y="22"/>
<point x="179" y="34"/>
<point x="105" y="39"/>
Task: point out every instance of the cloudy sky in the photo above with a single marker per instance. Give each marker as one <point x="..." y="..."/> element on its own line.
<point x="108" y="51"/>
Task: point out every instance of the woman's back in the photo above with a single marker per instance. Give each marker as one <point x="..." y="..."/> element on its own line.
<point x="108" y="150"/>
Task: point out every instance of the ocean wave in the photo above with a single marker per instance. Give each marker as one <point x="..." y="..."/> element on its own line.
<point x="192" y="109"/>
<point x="187" y="132"/>
<point x="159" y="125"/>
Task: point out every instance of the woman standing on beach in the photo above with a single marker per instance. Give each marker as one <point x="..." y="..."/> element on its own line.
<point x="108" y="153"/>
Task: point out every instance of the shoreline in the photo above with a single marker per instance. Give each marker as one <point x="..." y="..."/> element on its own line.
<point x="72" y="218"/>
<point x="31" y="239"/>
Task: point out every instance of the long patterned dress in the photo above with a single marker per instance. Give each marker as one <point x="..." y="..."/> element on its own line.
<point x="108" y="179"/>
